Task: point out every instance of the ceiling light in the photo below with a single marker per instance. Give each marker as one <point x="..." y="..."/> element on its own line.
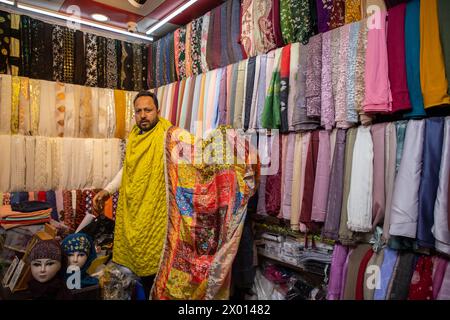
<point x="81" y="21"/>
<point x="171" y="16"/>
<point x="99" y="17"/>
<point x="137" y="3"/>
<point x="7" y="2"/>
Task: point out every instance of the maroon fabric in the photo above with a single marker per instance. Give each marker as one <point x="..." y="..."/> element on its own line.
<point x="421" y="287"/>
<point x="396" y="58"/>
<point x="310" y="169"/>
<point x="42" y="196"/>
<point x="273" y="187"/>
<point x="359" y="293"/>
<point x="213" y="47"/>
<point x="276" y="23"/>
<point x="337" y="18"/>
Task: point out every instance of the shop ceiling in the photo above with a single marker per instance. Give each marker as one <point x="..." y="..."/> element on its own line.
<point x="121" y="12"/>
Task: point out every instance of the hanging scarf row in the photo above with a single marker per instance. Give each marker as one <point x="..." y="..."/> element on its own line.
<point x="54" y="109"/>
<point x="35" y="49"/>
<point x="42" y="163"/>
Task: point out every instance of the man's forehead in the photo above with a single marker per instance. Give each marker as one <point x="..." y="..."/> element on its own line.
<point x="144" y="102"/>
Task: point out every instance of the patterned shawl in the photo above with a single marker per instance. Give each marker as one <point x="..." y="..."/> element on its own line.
<point x="206" y="212"/>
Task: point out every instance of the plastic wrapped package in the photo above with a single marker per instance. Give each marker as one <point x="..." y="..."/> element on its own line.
<point x="118" y="282"/>
<point x="265" y="289"/>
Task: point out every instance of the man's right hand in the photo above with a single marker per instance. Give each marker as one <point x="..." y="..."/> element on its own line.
<point x="99" y="201"/>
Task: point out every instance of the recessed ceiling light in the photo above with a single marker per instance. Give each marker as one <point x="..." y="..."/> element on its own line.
<point x="99" y="17"/>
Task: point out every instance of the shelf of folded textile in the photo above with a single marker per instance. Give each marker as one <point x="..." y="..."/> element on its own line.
<point x="11" y="217"/>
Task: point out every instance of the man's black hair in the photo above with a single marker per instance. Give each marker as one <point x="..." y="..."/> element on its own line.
<point x="145" y="93"/>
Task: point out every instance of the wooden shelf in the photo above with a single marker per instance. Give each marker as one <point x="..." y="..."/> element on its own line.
<point x="287" y="264"/>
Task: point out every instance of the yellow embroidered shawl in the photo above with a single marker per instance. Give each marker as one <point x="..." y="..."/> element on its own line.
<point x="141" y="218"/>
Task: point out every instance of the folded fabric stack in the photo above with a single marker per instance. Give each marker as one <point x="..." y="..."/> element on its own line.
<point x="29" y="213"/>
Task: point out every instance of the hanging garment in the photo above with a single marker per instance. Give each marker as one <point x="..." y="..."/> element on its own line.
<point x="286" y="21"/>
<point x="344" y="273"/>
<point x="401" y="132"/>
<point x="120" y="105"/>
<point x="346" y="236"/>
<point x="313" y="76"/>
<point x="60" y="98"/>
<point x="440" y="229"/>
<point x="273" y="182"/>
<point x="254" y="98"/>
<point x="171" y="61"/>
<point x="412" y="57"/>
<point x="396" y="58"/>
<point x="379" y="191"/>
<point x="111" y="64"/>
<point x="352" y="66"/>
<point x="86" y="111"/>
<point x="368" y="9"/>
<point x="30" y="151"/>
<point x="127" y="66"/>
<point x="284" y="87"/>
<point x="239" y="101"/>
<point x="322" y="178"/>
<point x="439" y="267"/>
<point x="293" y="90"/>
<point x="429" y="181"/>
<point x="361" y="285"/>
<point x="5" y="103"/>
<point x="372" y="275"/>
<point x="271" y="117"/>
<point x="234" y="25"/>
<point x="219" y="243"/>
<point x="433" y="80"/>
<point x="5" y="36"/>
<point x="58" y="53"/>
<point x="444" y="292"/>
<point x="35" y="101"/>
<point x="204" y="43"/>
<point x="249" y="87"/>
<point x="403" y="272"/>
<point x="324" y="14"/>
<point x="102" y="50"/>
<point x="15" y="105"/>
<point x="24" y="107"/>
<point x="69" y="55"/>
<point x="196" y="45"/>
<point x="405" y="200"/>
<point x="352" y="11"/>
<point x="354" y="261"/>
<point x="26" y="44"/>
<point x="390" y="149"/>
<point x="47" y="124"/>
<point x="377" y="87"/>
<point x="181" y="32"/>
<point x="14" y="58"/>
<point x="91" y="60"/>
<point x="303" y="24"/>
<point x="421" y="287"/>
<point x="301" y="121"/>
<point x="340" y="254"/>
<point x="214" y="47"/>
<point x="326" y="97"/>
<point x="288" y="176"/>
<point x="341" y="76"/>
<point x="331" y="228"/>
<point x="5" y="168"/>
<point x="386" y="273"/>
<point x="79" y="76"/>
<point x="276" y="23"/>
<point x="224" y="58"/>
<point x="119" y="63"/>
<point x="41" y="50"/>
<point x="361" y="184"/>
<point x="145" y="64"/>
<point x="298" y="175"/>
<point x="444" y="17"/>
<point x="360" y="74"/>
<point x="310" y="170"/>
<point x="247" y="28"/>
<point x="137" y="66"/>
<point x="337" y="16"/>
<point x="284" y="140"/>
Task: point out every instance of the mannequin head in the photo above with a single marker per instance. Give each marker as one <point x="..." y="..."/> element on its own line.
<point x="79" y="250"/>
<point x="45" y="260"/>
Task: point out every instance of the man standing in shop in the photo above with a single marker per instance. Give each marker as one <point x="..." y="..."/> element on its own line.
<point x="141" y="217"/>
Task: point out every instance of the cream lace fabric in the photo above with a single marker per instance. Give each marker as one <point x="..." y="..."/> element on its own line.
<point x="43" y="164"/>
<point x="5" y="104"/>
<point x="47" y="125"/>
<point x="30" y="149"/>
<point x="17" y="167"/>
<point x="5" y="160"/>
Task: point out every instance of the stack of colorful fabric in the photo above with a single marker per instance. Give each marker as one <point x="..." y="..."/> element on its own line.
<point x="9" y="218"/>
